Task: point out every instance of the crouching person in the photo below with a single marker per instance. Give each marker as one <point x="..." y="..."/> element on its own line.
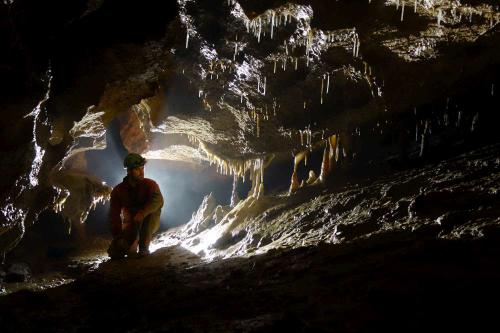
<point x="134" y="211"/>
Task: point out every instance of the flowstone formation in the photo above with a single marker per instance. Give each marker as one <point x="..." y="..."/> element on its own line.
<point x="239" y="84"/>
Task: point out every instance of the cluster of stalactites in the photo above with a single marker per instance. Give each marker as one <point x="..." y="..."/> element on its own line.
<point x="451" y="12"/>
<point x="238" y="169"/>
<point x="330" y="157"/>
<point x="267" y="21"/>
<point x="76" y="194"/>
<point x="60" y="200"/>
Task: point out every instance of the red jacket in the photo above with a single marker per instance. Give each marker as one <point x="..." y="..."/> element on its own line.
<point x="126" y="201"/>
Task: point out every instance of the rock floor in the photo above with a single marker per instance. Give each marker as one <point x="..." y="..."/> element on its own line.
<point x="401" y="285"/>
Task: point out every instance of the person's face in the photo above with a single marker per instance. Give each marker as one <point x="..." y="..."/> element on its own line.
<point x="137" y="173"/>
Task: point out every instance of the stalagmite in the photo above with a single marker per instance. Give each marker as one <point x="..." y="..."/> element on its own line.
<point x="234" y="194"/>
<point x="294" y="182"/>
<point x="332" y="151"/>
<point x="325" y="163"/>
<point x="260" y="193"/>
<point x="312" y="177"/>
<point x="235" y="51"/>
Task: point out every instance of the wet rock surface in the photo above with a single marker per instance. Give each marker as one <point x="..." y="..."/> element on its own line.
<point x="417" y="251"/>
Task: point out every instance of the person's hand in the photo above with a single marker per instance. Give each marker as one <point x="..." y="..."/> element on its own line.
<point x="139" y="216"/>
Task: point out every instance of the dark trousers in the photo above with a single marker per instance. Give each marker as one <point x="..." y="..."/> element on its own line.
<point x="142" y="232"/>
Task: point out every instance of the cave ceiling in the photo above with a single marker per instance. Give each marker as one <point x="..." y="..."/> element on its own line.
<point x="235" y="83"/>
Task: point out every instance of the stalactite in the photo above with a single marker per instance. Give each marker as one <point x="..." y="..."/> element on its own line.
<point x="322" y="83"/>
<point x="423" y="142"/>
<point x="260" y="30"/>
<point x="402" y="11"/>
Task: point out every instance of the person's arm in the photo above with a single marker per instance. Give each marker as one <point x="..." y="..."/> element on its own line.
<point x="155" y="201"/>
<point x="115" y="209"/>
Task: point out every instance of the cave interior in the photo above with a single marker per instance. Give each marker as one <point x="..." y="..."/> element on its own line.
<point x="327" y="166"/>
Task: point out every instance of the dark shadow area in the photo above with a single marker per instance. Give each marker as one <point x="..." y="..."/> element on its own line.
<point x="393" y="282"/>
